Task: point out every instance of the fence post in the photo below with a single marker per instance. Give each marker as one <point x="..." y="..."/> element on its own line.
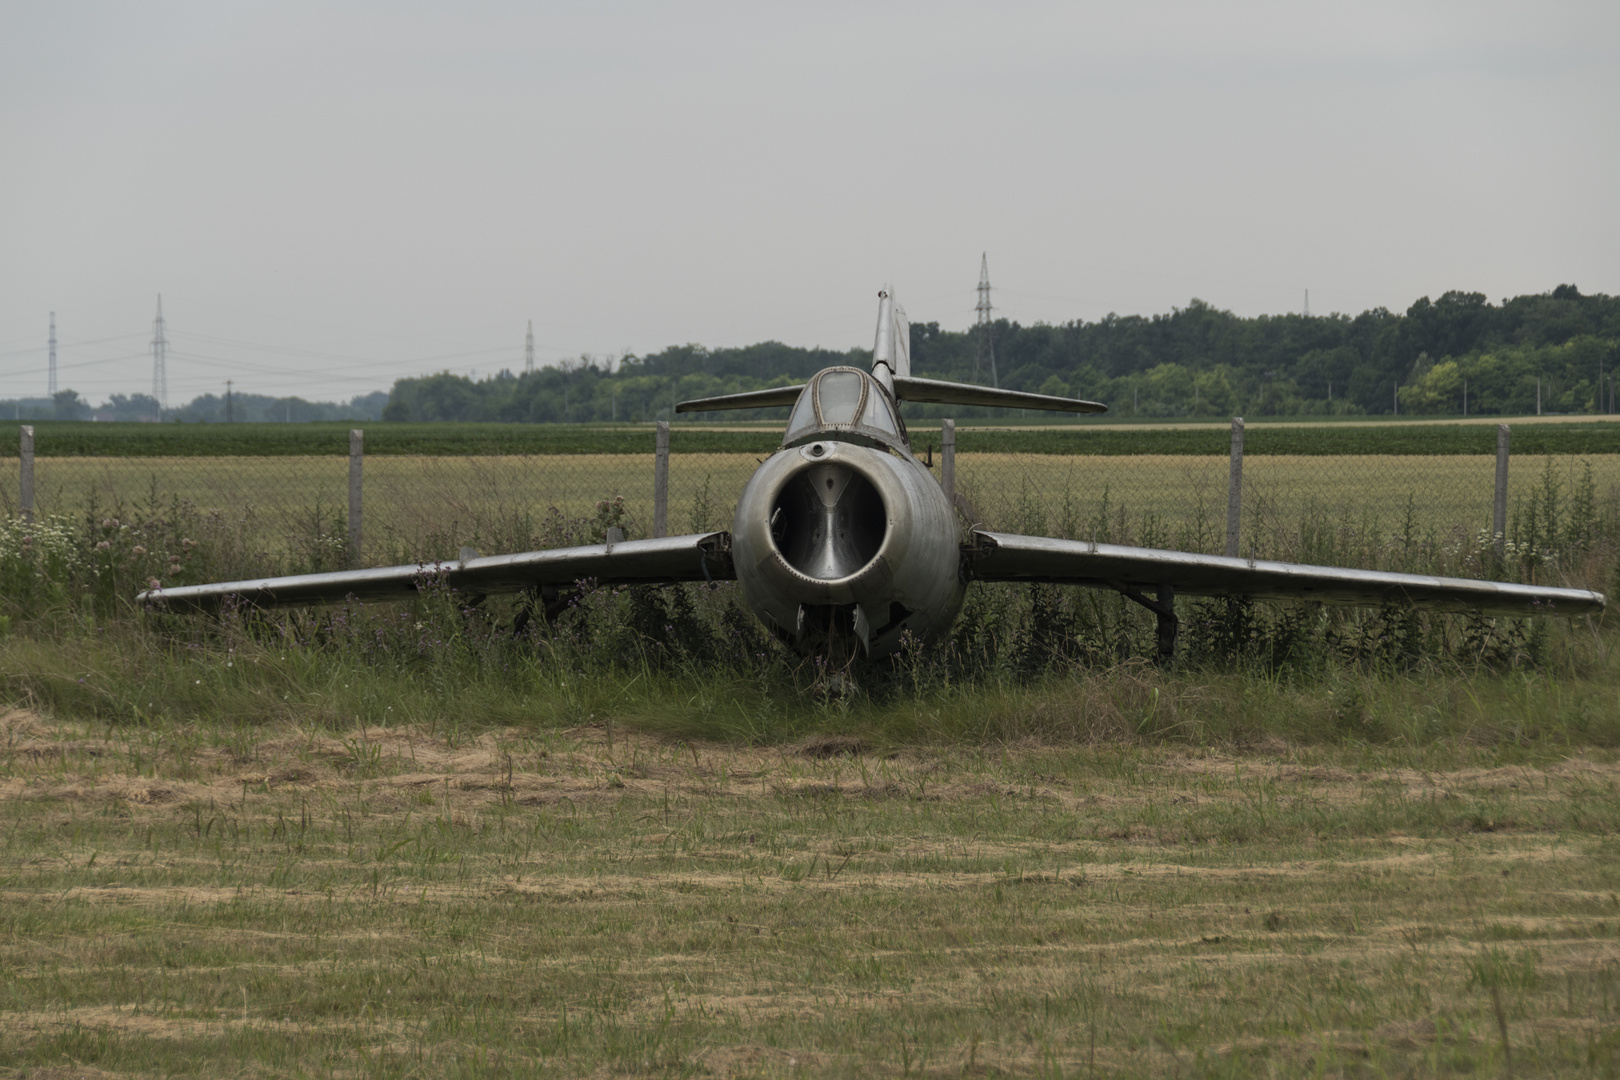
<point x="947" y="459"/>
<point x="356" y="461"/>
<point x="1499" y="518"/>
<point x="1234" y="489"/>
<point x="661" y="480"/>
<point x="25" y="493"/>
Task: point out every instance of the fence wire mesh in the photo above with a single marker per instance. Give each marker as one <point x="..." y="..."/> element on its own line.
<point x="1362" y="510"/>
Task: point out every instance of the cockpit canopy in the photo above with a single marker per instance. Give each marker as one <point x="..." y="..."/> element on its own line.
<point x="847" y="403"/>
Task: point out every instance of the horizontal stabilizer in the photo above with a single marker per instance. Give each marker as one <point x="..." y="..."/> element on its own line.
<point x="701" y="557"/>
<point x="950" y="393"/>
<point x="751" y="399"/>
<point x="1005" y="557"/>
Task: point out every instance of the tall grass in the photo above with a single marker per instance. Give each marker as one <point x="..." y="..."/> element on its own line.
<point x="1041" y="662"/>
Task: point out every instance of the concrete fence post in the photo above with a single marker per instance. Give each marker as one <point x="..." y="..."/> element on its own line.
<point x="356" y="462"/>
<point x="661" y="480"/>
<point x="1234" y="489"/>
<point x="947" y="459"/>
<point x="1499" y="516"/>
<point x="25" y="493"/>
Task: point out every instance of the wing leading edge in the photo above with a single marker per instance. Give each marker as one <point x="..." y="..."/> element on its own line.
<point x="1005" y="557"/>
<point x="700" y="557"/>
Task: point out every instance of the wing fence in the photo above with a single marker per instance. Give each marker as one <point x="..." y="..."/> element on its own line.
<point x="1378" y="511"/>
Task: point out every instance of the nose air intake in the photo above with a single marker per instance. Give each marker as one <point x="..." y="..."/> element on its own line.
<point x="837" y="544"/>
<point x="828" y="522"/>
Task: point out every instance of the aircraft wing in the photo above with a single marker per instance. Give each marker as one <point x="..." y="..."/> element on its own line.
<point x="701" y="557"/>
<point x="996" y="556"/>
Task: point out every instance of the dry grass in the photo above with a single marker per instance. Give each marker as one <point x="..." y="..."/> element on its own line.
<point x="406" y="496"/>
<point x="1187" y="495"/>
<point x="289" y="901"/>
<point x="1176" y="500"/>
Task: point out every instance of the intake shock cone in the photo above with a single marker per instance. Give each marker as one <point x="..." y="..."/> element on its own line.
<point x="836" y="542"/>
<point x="828" y="521"/>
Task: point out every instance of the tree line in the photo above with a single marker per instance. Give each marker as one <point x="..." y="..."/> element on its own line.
<point x="204" y="409"/>
<point x="1556" y="350"/>
<point x="1439" y="357"/>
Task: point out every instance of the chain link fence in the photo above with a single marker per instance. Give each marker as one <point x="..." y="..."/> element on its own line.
<point x="1366" y="510"/>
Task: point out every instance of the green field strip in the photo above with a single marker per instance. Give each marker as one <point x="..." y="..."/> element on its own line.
<point x="74" y="439"/>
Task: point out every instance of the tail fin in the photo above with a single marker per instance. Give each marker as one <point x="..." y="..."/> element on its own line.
<point x="891" y="351"/>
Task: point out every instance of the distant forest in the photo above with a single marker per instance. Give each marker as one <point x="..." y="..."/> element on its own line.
<point x="1442" y="357"/>
<point x="1195" y="361"/>
<point x="206" y="408"/>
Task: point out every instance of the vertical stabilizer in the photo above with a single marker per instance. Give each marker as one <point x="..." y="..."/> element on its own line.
<point x="902" y="342"/>
<point x="891" y="351"/>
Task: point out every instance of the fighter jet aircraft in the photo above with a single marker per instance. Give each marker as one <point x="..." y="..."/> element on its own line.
<point x="844" y="541"/>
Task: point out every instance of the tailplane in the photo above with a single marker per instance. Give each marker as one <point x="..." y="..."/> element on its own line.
<point x="891" y="367"/>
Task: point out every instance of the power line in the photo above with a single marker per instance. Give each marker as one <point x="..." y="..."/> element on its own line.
<point x="83" y="363"/>
<point x="350" y="360"/>
<point x="74" y="344"/>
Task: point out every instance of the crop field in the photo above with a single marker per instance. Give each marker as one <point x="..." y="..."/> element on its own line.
<point x="1161" y="500"/>
<point x="289" y="900"/>
<point x="403" y="495"/>
<point x="1545" y="435"/>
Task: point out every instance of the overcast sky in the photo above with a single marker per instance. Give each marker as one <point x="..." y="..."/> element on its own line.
<point x="330" y="196"/>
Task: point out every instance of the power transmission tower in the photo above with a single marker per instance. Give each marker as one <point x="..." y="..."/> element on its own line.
<point x="1307" y="303"/>
<point x="987" y="344"/>
<point x="160" y="351"/>
<point x="53" y="355"/>
<point x="528" y="350"/>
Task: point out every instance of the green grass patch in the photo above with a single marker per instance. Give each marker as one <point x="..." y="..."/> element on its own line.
<point x="1406" y="440"/>
<point x="83" y="439"/>
<point x="80" y="439"/>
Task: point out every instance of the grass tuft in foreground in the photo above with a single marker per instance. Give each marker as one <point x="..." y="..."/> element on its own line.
<point x="693" y="665"/>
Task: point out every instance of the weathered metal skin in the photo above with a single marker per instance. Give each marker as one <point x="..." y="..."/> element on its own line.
<point x="833" y="540"/>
